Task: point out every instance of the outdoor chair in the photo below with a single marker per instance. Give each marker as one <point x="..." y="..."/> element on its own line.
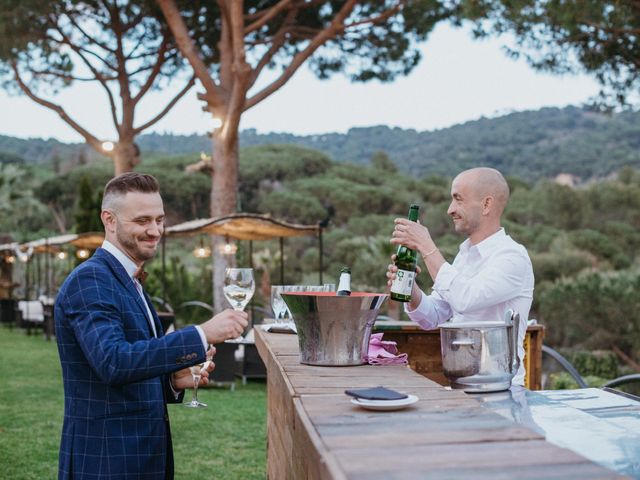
<point x="165" y="314"/>
<point x="566" y="365"/>
<point x="8" y="311"/>
<point x="248" y="361"/>
<point x="196" y="303"/>
<point x="613" y="385"/>
<point x="30" y="314"/>
<point x="610" y="385"/>
<point x="49" y="325"/>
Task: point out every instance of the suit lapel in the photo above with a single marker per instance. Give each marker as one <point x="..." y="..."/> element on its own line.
<point x="154" y="314"/>
<point x="128" y="285"/>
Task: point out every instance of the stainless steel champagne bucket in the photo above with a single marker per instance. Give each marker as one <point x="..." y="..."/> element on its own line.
<point x="481" y="356"/>
<point x="333" y="330"/>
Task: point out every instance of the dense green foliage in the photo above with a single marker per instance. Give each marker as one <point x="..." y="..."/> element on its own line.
<point x="226" y="440"/>
<point x="583" y="241"/>
<point x="124" y="48"/>
<point x="381" y="49"/>
<point x="21" y="214"/>
<point x="598" y="363"/>
<point x="604" y="311"/>
<point x="186" y="196"/>
<point x="596" y="36"/>
<point x="88" y="207"/>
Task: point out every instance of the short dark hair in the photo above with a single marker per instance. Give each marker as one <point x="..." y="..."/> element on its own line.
<point x="128" y="182"/>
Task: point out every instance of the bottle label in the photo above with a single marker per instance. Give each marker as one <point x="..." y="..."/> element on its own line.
<point x="403" y="283"/>
<point x="344" y="285"/>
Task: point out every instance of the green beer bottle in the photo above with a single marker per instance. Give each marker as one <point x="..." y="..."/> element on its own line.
<point x="406" y="260"/>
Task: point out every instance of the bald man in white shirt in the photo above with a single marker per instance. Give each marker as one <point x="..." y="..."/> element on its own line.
<point x="490" y="274"/>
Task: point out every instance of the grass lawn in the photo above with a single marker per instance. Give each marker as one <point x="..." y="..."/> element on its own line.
<point x="226" y="440"/>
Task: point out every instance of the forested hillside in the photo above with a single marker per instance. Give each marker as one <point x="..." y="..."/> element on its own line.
<point x="584" y="242"/>
<point x="535" y="144"/>
<point x="531" y="145"/>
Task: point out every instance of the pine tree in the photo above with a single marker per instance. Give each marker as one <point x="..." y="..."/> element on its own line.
<point x="87" y="212"/>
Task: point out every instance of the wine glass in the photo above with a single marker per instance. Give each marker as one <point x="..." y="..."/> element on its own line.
<point x="277" y="303"/>
<point x="314" y="288"/>
<point x="239" y="287"/>
<point x="196" y="373"/>
<point x="209" y="357"/>
<point x="287" y="317"/>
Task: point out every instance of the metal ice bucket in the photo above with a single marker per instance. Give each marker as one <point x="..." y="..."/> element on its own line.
<point x="333" y="330"/>
<point x="481" y="356"/>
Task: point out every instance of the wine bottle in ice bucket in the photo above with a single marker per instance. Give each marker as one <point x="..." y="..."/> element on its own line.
<point x="344" y="285"/>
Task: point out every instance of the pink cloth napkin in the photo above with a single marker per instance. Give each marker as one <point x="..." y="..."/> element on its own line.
<point x="384" y="353"/>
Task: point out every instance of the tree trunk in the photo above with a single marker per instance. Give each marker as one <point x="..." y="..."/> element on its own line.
<point x="59" y="218"/>
<point x="224" y="181"/>
<point x="126" y="155"/>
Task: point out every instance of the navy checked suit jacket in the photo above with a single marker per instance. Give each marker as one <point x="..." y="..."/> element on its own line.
<point x="116" y="376"/>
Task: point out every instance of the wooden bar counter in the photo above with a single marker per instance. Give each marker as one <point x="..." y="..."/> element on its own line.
<point x="315" y="432"/>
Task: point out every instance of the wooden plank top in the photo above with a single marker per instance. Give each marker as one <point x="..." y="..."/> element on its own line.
<point x="446" y="434"/>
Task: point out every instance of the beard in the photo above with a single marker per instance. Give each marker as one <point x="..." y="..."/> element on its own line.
<point x="466" y="225"/>
<point x="130" y="245"/>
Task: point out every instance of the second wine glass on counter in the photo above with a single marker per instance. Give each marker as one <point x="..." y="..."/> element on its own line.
<point x="239" y="287"/>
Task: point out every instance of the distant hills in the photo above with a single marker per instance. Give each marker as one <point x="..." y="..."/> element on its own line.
<point x="530" y="145"/>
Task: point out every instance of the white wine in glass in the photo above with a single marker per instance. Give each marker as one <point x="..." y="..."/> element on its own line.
<point x="239" y="287"/>
<point x="237" y="296"/>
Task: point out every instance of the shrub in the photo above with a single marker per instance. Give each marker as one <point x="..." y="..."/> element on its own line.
<point x="600" y="245"/>
<point x="293" y="206"/>
<point x="553" y="266"/>
<point x="593" y="311"/>
<point x="564" y="381"/>
<point x="598" y="363"/>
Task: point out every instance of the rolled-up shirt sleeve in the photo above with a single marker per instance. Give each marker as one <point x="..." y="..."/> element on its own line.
<point x="431" y="312"/>
<point x="496" y="282"/>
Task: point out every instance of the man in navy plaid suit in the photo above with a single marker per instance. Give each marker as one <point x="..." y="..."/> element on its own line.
<point x="119" y="369"/>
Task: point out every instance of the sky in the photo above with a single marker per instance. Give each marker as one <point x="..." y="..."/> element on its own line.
<point x="459" y="79"/>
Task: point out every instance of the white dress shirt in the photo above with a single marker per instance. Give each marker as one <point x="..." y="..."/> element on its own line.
<point x="130" y="267"/>
<point x="482" y="283"/>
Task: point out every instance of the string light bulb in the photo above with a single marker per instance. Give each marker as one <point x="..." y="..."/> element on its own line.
<point x="82" y="253"/>
<point x="228" y="248"/>
<point x="202" y="251"/>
